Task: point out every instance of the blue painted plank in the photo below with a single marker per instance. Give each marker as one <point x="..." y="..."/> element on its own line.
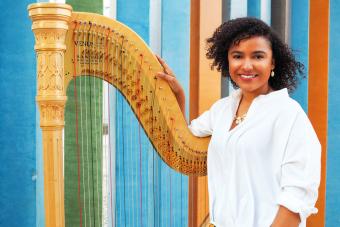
<point x="176" y="52"/>
<point x="129" y="179"/>
<point x="333" y="145"/>
<point x="17" y="117"/>
<point x="299" y="44"/>
<point x="254" y="8"/>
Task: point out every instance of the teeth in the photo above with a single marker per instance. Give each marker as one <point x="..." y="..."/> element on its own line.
<point x="248" y="76"/>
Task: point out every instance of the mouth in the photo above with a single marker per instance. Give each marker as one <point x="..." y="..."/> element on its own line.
<point x="243" y="76"/>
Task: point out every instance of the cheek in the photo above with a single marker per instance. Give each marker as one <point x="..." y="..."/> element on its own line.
<point x="233" y="66"/>
<point x="266" y="67"/>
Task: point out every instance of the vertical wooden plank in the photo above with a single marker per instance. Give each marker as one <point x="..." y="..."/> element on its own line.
<point x="194" y="83"/>
<point x="299" y="32"/>
<point x="318" y="90"/>
<point x="205" y="87"/>
<point x="175" y="50"/>
<point x="254" y="8"/>
<point x="209" y="81"/>
<point x="17" y="116"/>
<point x="333" y="145"/>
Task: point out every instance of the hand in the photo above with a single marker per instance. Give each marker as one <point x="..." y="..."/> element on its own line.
<point x="175" y="86"/>
<point x="285" y="217"/>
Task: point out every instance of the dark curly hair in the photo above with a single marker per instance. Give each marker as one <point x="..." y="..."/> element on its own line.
<point x="287" y="68"/>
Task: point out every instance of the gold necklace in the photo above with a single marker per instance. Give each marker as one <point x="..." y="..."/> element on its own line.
<point x="238" y="119"/>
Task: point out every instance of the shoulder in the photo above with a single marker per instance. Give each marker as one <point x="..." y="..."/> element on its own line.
<point x="298" y="118"/>
<point x="284" y="110"/>
<point x="220" y="103"/>
<point x="286" y="105"/>
<point x="227" y="101"/>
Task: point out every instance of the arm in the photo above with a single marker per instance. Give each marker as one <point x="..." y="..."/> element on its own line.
<point x="285" y="217"/>
<point x="300" y="173"/>
<point x="201" y="126"/>
<point x="175" y="86"/>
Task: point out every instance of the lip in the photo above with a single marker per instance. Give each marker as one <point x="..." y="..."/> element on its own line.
<point x="248" y="76"/>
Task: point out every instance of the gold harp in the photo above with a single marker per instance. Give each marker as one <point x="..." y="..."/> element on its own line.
<point x="64" y="43"/>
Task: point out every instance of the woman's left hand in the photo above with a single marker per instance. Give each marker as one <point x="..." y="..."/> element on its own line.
<point x="175" y="86"/>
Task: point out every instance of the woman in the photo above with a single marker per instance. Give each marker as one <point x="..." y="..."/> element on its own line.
<point x="264" y="156"/>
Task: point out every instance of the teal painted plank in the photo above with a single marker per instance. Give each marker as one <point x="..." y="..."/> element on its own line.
<point x="176" y="52"/>
<point x="333" y="135"/>
<point x="299" y="43"/>
<point x="17" y="117"/>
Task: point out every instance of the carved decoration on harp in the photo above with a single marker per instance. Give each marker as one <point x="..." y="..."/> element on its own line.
<point x="52" y="114"/>
<point x="50" y="72"/>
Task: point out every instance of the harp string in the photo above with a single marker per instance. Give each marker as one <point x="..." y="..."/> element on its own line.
<point x="139" y="142"/>
<point x="77" y="129"/>
<point x="85" y="136"/>
<point x="125" y="68"/>
<point x="101" y="138"/>
<point x="133" y="171"/>
<point x="87" y="57"/>
<point x="115" y="130"/>
<point x="91" y="81"/>
<point x="81" y="34"/>
<point x="94" y="133"/>
<point x="104" y="138"/>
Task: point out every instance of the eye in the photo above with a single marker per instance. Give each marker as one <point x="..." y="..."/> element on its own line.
<point x="236" y="56"/>
<point x="259" y="56"/>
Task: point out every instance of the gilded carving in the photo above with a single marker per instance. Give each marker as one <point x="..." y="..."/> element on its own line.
<point x="51" y="114"/>
<point x="50" y="37"/>
<point x="50" y="71"/>
<point x="50" y="24"/>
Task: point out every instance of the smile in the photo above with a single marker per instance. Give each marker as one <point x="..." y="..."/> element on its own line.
<point x="248" y="76"/>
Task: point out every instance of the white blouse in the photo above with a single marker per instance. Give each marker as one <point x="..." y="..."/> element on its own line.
<point x="272" y="158"/>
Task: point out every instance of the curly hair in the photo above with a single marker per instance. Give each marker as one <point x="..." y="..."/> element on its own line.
<point x="287" y="68"/>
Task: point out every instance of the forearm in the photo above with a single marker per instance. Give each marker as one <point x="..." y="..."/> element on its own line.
<point x="180" y="96"/>
<point x="285" y="217"/>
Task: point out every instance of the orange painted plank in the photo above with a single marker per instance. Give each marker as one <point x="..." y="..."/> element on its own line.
<point x="205" y="89"/>
<point x="318" y="90"/>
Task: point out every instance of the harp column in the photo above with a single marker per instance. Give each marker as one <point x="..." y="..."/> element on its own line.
<point x="50" y="25"/>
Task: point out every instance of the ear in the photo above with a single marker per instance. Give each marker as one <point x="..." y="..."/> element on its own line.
<point x="273" y="64"/>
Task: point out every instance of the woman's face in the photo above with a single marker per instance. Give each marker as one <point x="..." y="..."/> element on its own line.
<point x="250" y="64"/>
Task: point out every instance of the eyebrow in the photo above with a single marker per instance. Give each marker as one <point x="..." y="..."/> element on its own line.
<point x="255" y="52"/>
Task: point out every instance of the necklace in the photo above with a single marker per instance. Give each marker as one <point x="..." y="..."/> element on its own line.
<point x="239" y="119"/>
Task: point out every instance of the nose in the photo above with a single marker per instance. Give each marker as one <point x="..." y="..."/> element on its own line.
<point x="247" y="65"/>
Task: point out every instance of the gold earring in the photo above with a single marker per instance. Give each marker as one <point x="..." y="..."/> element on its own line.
<point x="272" y="74"/>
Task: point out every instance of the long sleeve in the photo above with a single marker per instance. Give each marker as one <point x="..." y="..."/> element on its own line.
<point x="205" y="123"/>
<point x="301" y="169"/>
<point x="202" y="126"/>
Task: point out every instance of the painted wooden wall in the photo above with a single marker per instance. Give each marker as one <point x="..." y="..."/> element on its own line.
<point x="314" y="34"/>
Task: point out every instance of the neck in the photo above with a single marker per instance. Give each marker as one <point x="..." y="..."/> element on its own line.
<point x="248" y="97"/>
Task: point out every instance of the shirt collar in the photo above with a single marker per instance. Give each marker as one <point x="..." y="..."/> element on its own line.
<point x="282" y="93"/>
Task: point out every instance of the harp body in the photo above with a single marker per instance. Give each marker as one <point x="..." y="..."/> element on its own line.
<point x="70" y="45"/>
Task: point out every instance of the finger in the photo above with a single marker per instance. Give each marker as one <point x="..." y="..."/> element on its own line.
<point x="172" y="82"/>
<point x="165" y="76"/>
<point x="164" y="65"/>
<point x="167" y="68"/>
<point x="160" y="60"/>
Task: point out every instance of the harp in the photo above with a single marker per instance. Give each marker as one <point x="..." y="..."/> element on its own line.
<point x="70" y="45"/>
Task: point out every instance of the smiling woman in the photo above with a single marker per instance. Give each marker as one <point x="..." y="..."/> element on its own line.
<point x="263" y="156"/>
<point x="250" y="64"/>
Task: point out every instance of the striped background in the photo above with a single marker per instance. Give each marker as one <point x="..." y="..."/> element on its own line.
<point x="310" y="27"/>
